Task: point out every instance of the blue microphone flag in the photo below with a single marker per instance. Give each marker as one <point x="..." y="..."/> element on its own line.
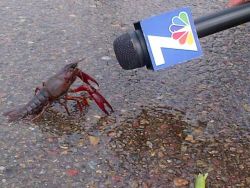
<point x="171" y="38"/>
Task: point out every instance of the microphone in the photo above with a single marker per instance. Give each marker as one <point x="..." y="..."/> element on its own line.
<point x="133" y="50"/>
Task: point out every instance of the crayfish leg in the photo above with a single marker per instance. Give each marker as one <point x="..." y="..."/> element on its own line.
<point x="41" y="112"/>
<point x="81" y="101"/>
<point x="64" y="104"/>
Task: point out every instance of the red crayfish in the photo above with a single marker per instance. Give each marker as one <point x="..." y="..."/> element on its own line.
<point x="56" y="89"/>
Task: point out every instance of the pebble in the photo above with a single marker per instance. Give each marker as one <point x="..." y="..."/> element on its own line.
<point x="149" y="144"/>
<point x="106" y="58"/>
<point x="248" y="180"/>
<point x="31" y="128"/>
<point x="170" y="171"/>
<point x="98" y="171"/>
<point x="30" y="42"/>
<point x="72" y="15"/>
<point x="190" y="138"/>
<point x="92" y="164"/>
<point x="42" y="171"/>
<point x="178" y="182"/>
<point x="2" y="168"/>
<point x="201" y="164"/>
<point x="246" y="107"/>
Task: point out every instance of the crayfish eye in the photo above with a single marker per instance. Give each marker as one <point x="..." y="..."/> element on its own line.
<point x="73" y="65"/>
<point x="71" y="69"/>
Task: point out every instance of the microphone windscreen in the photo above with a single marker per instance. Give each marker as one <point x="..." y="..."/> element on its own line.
<point x="126" y="53"/>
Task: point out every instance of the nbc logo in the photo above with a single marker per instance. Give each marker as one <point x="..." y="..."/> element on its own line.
<point x="181" y="29"/>
<point x="171" y="38"/>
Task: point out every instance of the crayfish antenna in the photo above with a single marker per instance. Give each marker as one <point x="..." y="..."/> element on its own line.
<point x="80" y="60"/>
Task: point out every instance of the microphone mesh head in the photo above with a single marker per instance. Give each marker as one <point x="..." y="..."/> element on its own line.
<point x="125" y="52"/>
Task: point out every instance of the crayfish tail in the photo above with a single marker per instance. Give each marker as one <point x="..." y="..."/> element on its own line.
<point x="14" y="115"/>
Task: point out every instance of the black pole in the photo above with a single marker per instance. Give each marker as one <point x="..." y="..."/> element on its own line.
<point x="222" y="20"/>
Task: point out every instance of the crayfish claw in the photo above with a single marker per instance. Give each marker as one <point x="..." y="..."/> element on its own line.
<point x="86" y="78"/>
<point x="101" y="102"/>
<point x="96" y="96"/>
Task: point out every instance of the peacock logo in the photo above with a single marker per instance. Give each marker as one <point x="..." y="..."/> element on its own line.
<point x="171" y="38"/>
<point x="181" y="29"/>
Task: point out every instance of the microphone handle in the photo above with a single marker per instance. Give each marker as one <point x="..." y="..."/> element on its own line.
<point x="223" y="20"/>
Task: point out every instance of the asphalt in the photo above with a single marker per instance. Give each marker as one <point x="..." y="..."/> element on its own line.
<point x="167" y="127"/>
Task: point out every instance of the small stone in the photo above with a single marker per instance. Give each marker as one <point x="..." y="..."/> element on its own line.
<point x="65" y="152"/>
<point x="190" y="138"/>
<point x="94" y="140"/>
<point x="134" y="184"/>
<point x="80" y="143"/>
<point x="2" y="168"/>
<point x="162" y="165"/>
<point x="198" y="131"/>
<point x="106" y="58"/>
<point x="50" y="140"/>
<point x="170" y="171"/>
<point x="152" y="154"/>
<point x="149" y="144"/>
<point x="246" y="107"/>
<point x="240" y="151"/>
<point x="213" y="152"/>
<point x="98" y="171"/>
<point x="72" y="172"/>
<point x="183" y="148"/>
<point x="112" y="134"/>
<point x="117" y="178"/>
<point x="241" y="167"/>
<point x="180" y="182"/>
<point x="144" y="121"/>
<point x="248" y="180"/>
<point x="3" y="180"/>
<point x="42" y="171"/>
<point x="72" y="15"/>
<point x="161" y="154"/>
<point x="64" y="146"/>
<point x="201" y="163"/>
<point x="232" y="149"/>
<point x="92" y="165"/>
<point x="30" y="42"/>
<point x="23" y="165"/>
<point x="31" y="128"/>
<point x="115" y="23"/>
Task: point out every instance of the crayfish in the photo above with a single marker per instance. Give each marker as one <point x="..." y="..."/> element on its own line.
<point x="57" y="89"/>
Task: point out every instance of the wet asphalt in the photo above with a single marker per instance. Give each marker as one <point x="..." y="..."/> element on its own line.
<point x="167" y="127"/>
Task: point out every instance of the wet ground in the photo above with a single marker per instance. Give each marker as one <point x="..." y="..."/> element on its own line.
<point x="167" y="127"/>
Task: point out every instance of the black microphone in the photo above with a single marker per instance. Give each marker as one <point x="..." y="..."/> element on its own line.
<point x="131" y="48"/>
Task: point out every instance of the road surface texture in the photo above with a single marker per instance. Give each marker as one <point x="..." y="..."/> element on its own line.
<point x="167" y="127"/>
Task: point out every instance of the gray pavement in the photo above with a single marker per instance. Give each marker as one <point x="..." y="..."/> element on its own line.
<point x="167" y="127"/>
